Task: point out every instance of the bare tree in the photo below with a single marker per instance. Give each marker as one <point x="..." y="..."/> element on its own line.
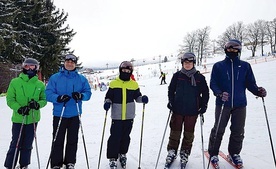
<point x="263" y="34"/>
<point x="270" y="34"/>
<point x="203" y="41"/>
<point x="252" y="37"/>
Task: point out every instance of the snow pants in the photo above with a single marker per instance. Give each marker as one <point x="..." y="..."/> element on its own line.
<point x="238" y="116"/>
<point x="119" y="139"/>
<point x="24" y="147"/>
<point x="71" y="127"/>
<point x="176" y="124"/>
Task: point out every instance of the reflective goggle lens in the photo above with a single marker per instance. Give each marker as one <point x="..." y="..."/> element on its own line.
<point x="233" y="45"/>
<point x="71" y="57"/>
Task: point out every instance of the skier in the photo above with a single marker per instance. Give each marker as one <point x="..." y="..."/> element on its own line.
<point x="121" y="95"/>
<point x="163" y="78"/>
<point x="25" y="96"/>
<point x="188" y="97"/>
<point x="65" y="90"/>
<point x="229" y="80"/>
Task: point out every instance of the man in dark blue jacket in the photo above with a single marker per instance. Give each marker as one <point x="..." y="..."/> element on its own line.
<point x="229" y="80"/>
<point x="66" y="90"/>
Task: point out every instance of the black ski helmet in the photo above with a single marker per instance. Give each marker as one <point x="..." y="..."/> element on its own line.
<point x="234" y="44"/>
<point x="71" y="57"/>
<point x="188" y="56"/>
<point x="126" y="65"/>
<point x="31" y="61"/>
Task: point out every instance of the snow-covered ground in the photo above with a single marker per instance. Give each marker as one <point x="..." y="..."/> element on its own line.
<point x="256" y="151"/>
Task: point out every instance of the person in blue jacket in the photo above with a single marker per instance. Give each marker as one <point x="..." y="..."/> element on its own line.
<point x="229" y="80"/>
<point x="66" y="89"/>
<point x="188" y="95"/>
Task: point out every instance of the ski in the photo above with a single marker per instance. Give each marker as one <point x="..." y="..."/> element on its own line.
<point x="215" y="166"/>
<point x="227" y="158"/>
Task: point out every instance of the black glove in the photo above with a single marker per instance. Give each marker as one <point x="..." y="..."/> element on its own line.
<point x="261" y="92"/>
<point x="63" y="98"/>
<point x="145" y="99"/>
<point x="24" y="110"/>
<point x="77" y="96"/>
<point x="201" y="110"/>
<point x="107" y="105"/>
<point x="170" y="106"/>
<point x="33" y="105"/>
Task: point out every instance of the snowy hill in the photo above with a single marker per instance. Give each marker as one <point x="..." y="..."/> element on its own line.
<point x="256" y="151"/>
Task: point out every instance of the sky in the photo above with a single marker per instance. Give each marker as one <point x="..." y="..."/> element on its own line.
<point x="256" y="152"/>
<point x="117" y="30"/>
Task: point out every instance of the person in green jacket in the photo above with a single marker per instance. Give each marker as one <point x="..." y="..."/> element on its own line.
<point x="25" y="96"/>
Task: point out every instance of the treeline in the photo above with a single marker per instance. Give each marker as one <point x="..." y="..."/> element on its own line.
<point x="253" y="35"/>
<point x="32" y="28"/>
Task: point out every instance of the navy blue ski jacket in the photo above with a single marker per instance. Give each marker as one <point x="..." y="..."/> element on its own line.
<point x="233" y="76"/>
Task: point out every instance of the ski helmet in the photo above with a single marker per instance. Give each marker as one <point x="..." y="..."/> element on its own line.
<point x="188" y="56"/>
<point x="30" y="62"/>
<point x="126" y="65"/>
<point x="234" y="44"/>
<point x="71" y="57"/>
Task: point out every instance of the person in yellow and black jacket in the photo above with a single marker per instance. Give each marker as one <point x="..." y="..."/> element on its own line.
<point x="25" y="96"/>
<point x="120" y="96"/>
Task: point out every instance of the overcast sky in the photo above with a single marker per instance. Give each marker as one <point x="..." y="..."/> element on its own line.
<point x="109" y="30"/>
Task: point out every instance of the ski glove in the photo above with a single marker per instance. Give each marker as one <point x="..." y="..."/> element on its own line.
<point x="24" y="110"/>
<point x="170" y="106"/>
<point x="63" y="98"/>
<point x="33" y="105"/>
<point x="145" y="99"/>
<point x="224" y="96"/>
<point x="261" y="92"/>
<point x="77" y="96"/>
<point x="202" y="110"/>
<point x="107" y="105"/>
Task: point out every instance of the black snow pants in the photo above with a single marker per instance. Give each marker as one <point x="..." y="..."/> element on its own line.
<point x="237" y="116"/>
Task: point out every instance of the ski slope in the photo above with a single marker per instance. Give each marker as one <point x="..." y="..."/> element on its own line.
<point x="256" y="151"/>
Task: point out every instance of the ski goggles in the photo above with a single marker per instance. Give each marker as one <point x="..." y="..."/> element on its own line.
<point x="30" y="66"/>
<point x="233" y="45"/>
<point x="71" y="57"/>
<point x="188" y="57"/>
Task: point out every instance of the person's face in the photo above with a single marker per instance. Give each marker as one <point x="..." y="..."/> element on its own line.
<point x="188" y="65"/>
<point x="69" y="65"/>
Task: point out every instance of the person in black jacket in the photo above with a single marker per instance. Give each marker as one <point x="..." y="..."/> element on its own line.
<point x="188" y="97"/>
<point x="229" y="80"/>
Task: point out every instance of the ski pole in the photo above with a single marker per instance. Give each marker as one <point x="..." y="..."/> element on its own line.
<point x="38" y="161"/>
<point x="163" y="139"/>
<point x="56" y="134"/>
<point x="269" y="132"/>
<point x="216" y="133"/>
<point x="141" y="138"/>
<point x="102" y="139"/>
<point x="202" y="142"/>
<point x="17" y="143"/>
<point x="78" y="108"/>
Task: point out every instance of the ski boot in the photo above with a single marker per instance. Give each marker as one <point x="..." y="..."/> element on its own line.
<point x="113" y="163"/>
<point x="70" y="166"/>
<point x="214" y="161"/>
<point x="170" y="158"/>
<point x="184" y="155"/>
<point x="21" y="167"/>
<point x="123" y="160"/>
<point x="236" y="160"/>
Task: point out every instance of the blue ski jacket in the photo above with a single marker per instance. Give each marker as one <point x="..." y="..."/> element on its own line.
<point x="66" y="82"/>
<point x="233" y="76"/>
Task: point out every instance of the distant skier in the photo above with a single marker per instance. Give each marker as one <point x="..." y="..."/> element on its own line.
<point x="229" y="80"/>
<point x="120" y="96"/>
<point x="163" y="78"/>
<point x="188" y="97"/>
